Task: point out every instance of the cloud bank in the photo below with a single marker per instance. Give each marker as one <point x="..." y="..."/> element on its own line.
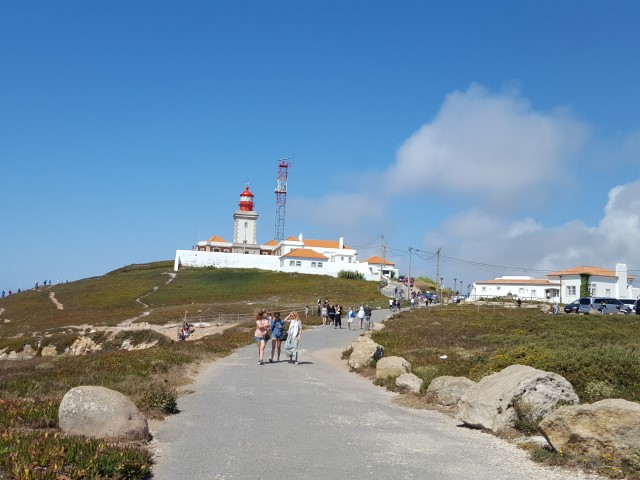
<point x="504" y="159"/>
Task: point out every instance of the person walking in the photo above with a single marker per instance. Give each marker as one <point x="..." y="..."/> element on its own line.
<point x="306" y="311"/>
<point x="261" y="335"/>
<point x="337" y="319"/>
<point x="351" y="314"/>
<point x="367" y="317"/>
<point x="332" y="314"/>
<point x="277" y="334"/>
<point x="324" y="312"/>
<point x="361" y="316"/>
<point x="294" y="333"/>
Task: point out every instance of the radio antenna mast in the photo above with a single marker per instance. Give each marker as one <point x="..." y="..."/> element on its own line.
<point x="281" y="196"/>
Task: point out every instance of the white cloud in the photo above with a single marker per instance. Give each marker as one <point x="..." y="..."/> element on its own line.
<point x="493" y="145"/>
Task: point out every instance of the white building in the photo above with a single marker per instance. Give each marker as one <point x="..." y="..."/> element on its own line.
<point x="526" y="288"/>
<point x="294" y="254"/>
<point x="601" y="282"/>
<point x="562" y="286"/>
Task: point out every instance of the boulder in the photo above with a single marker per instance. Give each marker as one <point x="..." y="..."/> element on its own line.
<point x="364" y="352"/>
<point x="518" y="392"/>
<point x="447" y="390"/>
<point x="49" y="351"/>
<point x="392" y="367"/>
<point x="82" y="346"/>
<point x="100" y="412"/>
<point x="608" y="427"/>
<point x="378" y="326"/>
<point x="408" y="382"/>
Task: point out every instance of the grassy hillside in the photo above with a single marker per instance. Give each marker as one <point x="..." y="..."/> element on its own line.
<point x="111" y="298"/>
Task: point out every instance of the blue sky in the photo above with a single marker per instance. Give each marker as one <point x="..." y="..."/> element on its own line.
<point x="505" y="133"/>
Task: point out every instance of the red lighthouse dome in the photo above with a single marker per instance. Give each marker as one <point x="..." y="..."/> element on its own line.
<point x="246" y="200"/>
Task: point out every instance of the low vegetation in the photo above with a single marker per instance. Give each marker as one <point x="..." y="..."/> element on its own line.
<point x="31" y="390"/>
<point x="598" y="354"/>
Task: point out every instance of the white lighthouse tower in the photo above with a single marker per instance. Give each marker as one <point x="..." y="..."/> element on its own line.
<point x="244" y="226"/>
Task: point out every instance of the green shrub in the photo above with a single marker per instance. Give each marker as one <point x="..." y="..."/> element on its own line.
<point x="350" y="275"/>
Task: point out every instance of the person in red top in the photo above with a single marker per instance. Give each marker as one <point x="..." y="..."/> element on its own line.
<point x="261" y="336"/>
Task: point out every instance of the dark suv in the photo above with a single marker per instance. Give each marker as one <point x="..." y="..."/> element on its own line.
<point x="572" y="307"/>
<point x="636" y="307"/>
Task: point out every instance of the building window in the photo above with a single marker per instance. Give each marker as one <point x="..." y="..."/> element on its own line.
<point x="592" y="290"/>
<point x="292" y="263"/>
<point x="484" y="289"/>
<point x="298" y="263"/>
<point x="521" y="291"/>
<point x="533" y="294"/>
<point x="342" y="259"/>
<point x="320" y="264"/>
<point x="498" y="288"/>
<point x="571" y="290"/>
<point x="313" y="264"/>
<point x="349" y="259"/>
<point x="607" y="292"/>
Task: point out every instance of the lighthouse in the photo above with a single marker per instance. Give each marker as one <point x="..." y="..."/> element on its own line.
<point x="245" y="220"/>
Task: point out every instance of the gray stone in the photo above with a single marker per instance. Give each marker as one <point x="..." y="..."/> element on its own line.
<point x="99" y="412"/>
<point x="447" y="390"/>
<point x="392" y="367"/>
<point x="608" y="427"/>
<point x="518" y="392"/>
<point x="408" y="382"/>
<point x="364" y="352"/>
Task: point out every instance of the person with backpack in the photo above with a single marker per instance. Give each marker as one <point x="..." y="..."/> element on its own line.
<point x="277" y="334"/>
<point x="361" y="316"/>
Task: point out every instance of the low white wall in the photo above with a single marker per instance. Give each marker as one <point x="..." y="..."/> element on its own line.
<point x="193" y="258"/>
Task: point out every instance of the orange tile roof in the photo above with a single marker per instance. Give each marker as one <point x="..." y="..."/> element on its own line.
<point x="377" y="260"/>
<point x="600" y="272"/>
<point x="271" y="243"/>
<point x="305" y="253"/>
<point x="324" y="244"/>
<point x="518" y="281"/>
<point x="216" y="238"/>
<point x="295" y="239"/>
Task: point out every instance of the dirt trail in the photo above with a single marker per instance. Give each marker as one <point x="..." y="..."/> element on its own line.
<point x="52" y="297"/>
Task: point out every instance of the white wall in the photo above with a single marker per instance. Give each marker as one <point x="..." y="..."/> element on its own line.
<point x="191" y="258"/>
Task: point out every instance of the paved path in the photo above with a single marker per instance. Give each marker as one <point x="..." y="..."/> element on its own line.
<point x="317" y="420"/>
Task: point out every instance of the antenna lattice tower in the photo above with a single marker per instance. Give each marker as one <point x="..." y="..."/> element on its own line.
<point x="281" y="197"/>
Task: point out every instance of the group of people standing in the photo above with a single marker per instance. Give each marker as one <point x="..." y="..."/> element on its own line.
<point x="274" y="328"/>
<point x="332" y="315"/>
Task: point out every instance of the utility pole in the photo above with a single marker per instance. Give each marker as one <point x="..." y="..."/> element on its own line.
<point x="382" y="253"/>
<point x="409" y="281"/>
<point x="437" y="268"/>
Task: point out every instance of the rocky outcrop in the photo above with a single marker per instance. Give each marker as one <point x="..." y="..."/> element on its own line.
<point x="99" y="412"/>
<point x="392" y="367"/>
<point x="609" y="427"/>
<point x="447" y="390"/>
<point x="49" y="351"/>
<point x="408" y="382"/>
<point x="364" y="352"/>
<point x="516" y="393"/>
<point x="82" y="346"/>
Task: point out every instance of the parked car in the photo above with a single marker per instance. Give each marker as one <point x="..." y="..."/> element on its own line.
<point x="572" y="307"/>
<point x="628" y="304"/>
<point x="636" y="307"/>
<point x="589" y="305"/>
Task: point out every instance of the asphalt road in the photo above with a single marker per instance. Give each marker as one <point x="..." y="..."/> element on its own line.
<point x="317" y="420"/>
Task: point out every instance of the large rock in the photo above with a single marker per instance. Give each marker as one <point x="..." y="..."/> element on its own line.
<point x="101" y="413"/>
<point x="49" y="351"/>
<point x="516" y="393"/>
<point x="408" y="382"/>
<point x="448" y="391"/>
<point x="82" y="346"/>
<point x="392" y="367"/>
<point x="364" y="352"/>
<point x="608" y="427"/>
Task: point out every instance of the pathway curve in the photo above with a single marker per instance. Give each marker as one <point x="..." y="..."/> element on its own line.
<point x="52" y="297"/>
<point x="317" y="420"/>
